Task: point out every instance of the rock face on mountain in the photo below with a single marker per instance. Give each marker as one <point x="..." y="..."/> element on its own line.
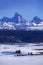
<point x="36" y="20"/>
<point x="5" y="19"/>
<point x="17" y="18"/>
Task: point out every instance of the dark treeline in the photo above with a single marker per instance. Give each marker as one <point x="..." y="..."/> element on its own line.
<point x="13" y="36"/>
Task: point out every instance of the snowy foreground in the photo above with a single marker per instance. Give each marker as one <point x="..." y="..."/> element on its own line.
<point x="25" y="60"/>
<point x="10" y="59"/>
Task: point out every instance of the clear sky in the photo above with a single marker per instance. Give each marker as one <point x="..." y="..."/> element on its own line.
<point x="27" y="8"/>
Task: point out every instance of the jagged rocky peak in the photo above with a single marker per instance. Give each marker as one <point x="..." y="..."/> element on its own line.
<point x="5" y="19"/>
<point x="36" y="20"/>
<point x="17" y="14"/>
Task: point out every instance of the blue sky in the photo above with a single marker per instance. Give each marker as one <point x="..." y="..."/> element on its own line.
<point x="27" y="8"/>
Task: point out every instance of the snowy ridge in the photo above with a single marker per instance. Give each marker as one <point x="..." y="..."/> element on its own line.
<point x="18" y="23"/>
<point x="7" y="25"/>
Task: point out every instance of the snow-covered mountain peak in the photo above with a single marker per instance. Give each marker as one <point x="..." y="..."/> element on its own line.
<point x="17" y="22"/>
<point x="36" y="20"/>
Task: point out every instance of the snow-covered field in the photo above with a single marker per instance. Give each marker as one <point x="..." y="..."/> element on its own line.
<point x="20" y="60"/>
<point x="25" y="60"/>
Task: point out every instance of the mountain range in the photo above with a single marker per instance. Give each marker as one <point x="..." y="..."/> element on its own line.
<point x="17" y="22"/>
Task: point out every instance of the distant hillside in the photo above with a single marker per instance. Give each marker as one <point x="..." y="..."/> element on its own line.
<point x="13" y="36"/>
